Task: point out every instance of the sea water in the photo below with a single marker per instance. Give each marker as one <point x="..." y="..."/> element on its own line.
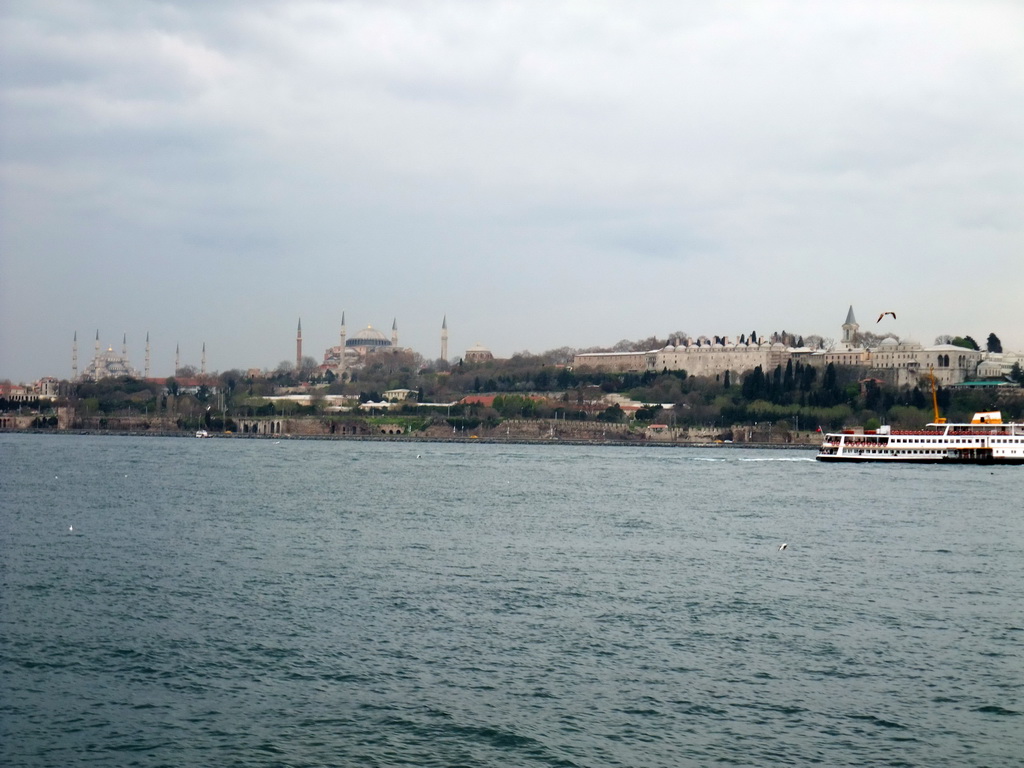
<point x="170" y="602"/>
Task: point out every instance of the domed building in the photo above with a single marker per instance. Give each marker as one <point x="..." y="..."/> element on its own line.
<point x="478" y="354"/>
<point x="367" y="339"/>
<point x="351" y="352"/>
<point x="109" y="364"/>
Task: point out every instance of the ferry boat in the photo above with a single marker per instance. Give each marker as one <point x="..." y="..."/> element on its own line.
<point x="985" y="440"/>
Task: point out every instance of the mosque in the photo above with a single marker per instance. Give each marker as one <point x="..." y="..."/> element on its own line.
<point x="109" y="364"/>
<point x="352" y="353"/>
<point x="105" y="364"/>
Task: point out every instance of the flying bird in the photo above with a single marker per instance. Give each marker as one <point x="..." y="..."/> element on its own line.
<point x="884" y="314"/>
<point x="785" y="545"/>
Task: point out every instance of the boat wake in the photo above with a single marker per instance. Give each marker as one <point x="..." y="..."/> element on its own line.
<point x="786" y="458"/>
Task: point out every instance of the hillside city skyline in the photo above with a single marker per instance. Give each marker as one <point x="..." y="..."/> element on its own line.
<point x="204" y="360"/>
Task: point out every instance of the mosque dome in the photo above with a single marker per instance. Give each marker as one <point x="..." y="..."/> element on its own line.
<point x="368" y="337"/>
<point x="109" y="365"/>
<point x="888" y="342"/>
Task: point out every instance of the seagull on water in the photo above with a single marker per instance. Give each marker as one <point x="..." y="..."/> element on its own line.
<point x="784" y="545"/>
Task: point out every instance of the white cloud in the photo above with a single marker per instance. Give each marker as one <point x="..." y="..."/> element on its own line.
<point x="539" y="171"/>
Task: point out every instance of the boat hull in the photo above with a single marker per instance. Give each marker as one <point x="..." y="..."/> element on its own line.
<point x="928" y="460"/>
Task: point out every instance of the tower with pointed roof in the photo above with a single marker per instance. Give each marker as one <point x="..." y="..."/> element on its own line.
<point x="202" y="364"/>
<point x="394" y="333"/>
<point x="850" y="328"/>
<point x="341" y="348"/>
<point x="298" y="346"/>
<point x="74" y="358"/>
<point x="147" y="354"/>
<point x="444" y="339"/>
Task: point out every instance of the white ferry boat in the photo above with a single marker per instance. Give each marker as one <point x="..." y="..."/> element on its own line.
<point x="986" y="440"/>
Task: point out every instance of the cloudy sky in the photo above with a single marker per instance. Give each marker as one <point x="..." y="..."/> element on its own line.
<point x="545" y="174"/>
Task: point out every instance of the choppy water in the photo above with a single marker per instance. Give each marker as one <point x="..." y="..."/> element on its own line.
<point x="260" y="603"/>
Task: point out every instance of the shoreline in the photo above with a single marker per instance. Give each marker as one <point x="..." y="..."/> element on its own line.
<point x="419" y="439"/>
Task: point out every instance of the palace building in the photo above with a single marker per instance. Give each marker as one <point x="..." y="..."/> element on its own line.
<point x="901" y="363"/>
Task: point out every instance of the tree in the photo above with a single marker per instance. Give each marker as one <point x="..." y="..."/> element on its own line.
<point x="993" y="344"/>
<point x="307" y="368"/>
<point x="1017" y="374"/>
<point x="943" y="339"/>
<point x="965" y="341"/>
<point x="612" y="414"/>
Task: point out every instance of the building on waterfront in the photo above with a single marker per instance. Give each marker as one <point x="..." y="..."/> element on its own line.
<point x="904" y="363"/>
<point x="901" y="363"/>
<point x="999" y="365"/>
<point x="698" y="357"/>
<point x="848" y="351"/>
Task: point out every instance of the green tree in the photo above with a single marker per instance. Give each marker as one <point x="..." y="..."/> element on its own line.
<point x="1017" y="374"/>
<point x="613" y="414"/>
<point x="993" y="344"/>
<point x="965" y="341"/>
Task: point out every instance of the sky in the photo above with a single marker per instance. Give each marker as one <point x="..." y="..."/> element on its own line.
<point x="543" y="174"/>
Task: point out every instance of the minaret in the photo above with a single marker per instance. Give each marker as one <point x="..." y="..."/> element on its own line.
<point x="74" y="359"/>
<point x="850" y="328"/>
<point x="298" y="347"/>
<point x="394" y="333"/>
<point x="177" y="358"/>
<point x="97" y="344"/>
<point x="341" y="354"/>
<point x="147" y="354"/>
<point x="444" y="339"/>
<point x="124" y="346"/>
<point x="202" y="368"/>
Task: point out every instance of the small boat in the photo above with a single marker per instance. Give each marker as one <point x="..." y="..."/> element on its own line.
<point x="987" y="439"/>
<point x="202" y="433"/>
